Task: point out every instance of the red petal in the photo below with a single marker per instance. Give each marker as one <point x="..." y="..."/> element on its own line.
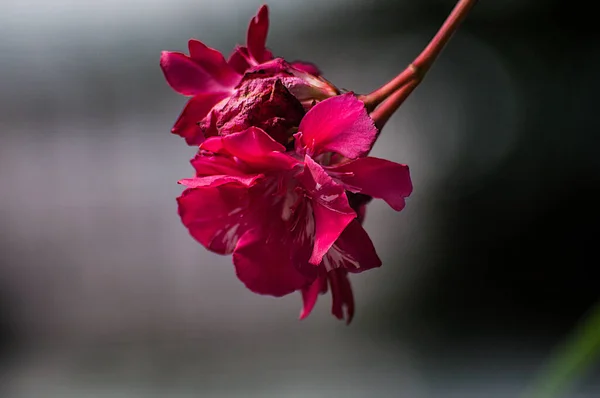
<point x="213" y="63"/>
<point x="188" y="77"/>
<point x="252" y="141"/>
<point x="257" y="35"/>
<point x="214" y="144"/>
<point x="239" y="59"/>
<point x="267" y="55"/>
<point x="310" y="295"/>
<point x="215" y="217"/>
<point x="339" y="124"/>
<point x="375" y="177"/>
<point x="341" y="293"/>
<point x="208" y="125"/>
<point x="330" y="206"/>
<point x="195" y="110"/>
<point x="263" y="262"/>
<point x="207" y="164"/>
<point x="353" y="251"/>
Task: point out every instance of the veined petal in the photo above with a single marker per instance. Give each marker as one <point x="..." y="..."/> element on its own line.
<point x="213" y="63"/>
<point x="263" y="262"/>
<point x="187" y="76"/>
<point x="338" y="124"/>
<point x="195" y="110"/>
<point x="331" y="209"/>
<point x="216" y="216"/>
<point x="353" y="251"/>
<point x="257" y="35"/>
<point x="375" y="177"/>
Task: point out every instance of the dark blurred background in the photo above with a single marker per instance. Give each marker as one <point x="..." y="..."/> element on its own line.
<point x="104" y="294"/>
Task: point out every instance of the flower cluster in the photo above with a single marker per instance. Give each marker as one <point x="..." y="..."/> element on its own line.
<point x="282" y="175"/>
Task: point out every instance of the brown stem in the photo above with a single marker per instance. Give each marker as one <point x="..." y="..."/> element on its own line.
<point x="419" y="67"/>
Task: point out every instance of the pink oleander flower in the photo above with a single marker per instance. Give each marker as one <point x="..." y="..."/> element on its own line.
<point x="285" y="215"/>
<point x="213" y="83"/>
<point x="282" y="173"/>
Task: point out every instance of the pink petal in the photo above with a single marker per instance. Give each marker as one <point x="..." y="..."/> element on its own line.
<point x="213" y="62"/>
<point x="353" y="251"/>
<point x="338" y="124"/>
<point x="252" y="141"/>
<point x="239" y="59"/>
<point x="331" y="209"/>
<point x="341" y="293"/>
<point x="264" y="264"/>
<point x="214" y="144"/>
<point x="257" y="35"/>
<point x="195" y="110"/>
<point x="217" y="180"/>
<point x="375" y="177"/>
<point x="257" y="149"/>
<point x="310" y="295"/>
<point x="307" y="67"/>
<point x="207" y="164"/>
<point x="188" y="77"/>
<point x="215" y="217"/>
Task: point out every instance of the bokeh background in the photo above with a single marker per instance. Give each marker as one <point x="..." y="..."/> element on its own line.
<point x="104" y="294"/>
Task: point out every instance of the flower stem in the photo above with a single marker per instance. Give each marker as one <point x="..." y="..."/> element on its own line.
<point x="415" y="72"/>
<point x="382" y="114"/>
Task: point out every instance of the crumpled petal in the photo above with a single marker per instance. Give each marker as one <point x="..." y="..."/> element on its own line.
<point x="306" y="87"/>
<point x="194" y="111"/>
<point x="188" y="77"/>
<point x="215" y="216"/>
<point x="375" y="177"/>
<point x="259" y="101"/>
<point x="330" y="206"/>
<point x="338" y="124"/>
<point x="353" y="251"/>
<point x="257" y="35"/>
